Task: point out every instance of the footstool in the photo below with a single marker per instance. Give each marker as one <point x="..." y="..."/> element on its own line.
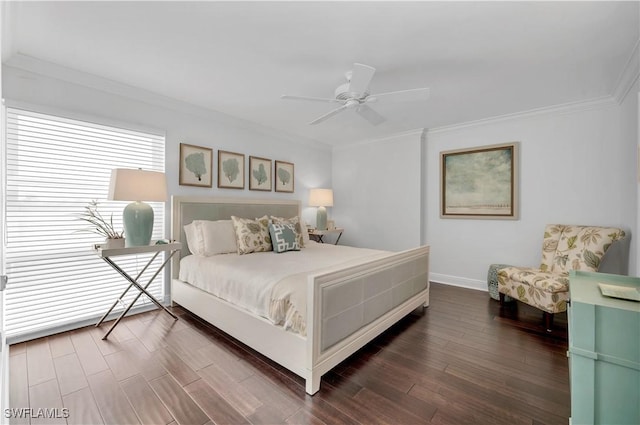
<point x="492" y="281"/>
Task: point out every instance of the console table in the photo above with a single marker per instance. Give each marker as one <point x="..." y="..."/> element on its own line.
<point x="604" y="351"/>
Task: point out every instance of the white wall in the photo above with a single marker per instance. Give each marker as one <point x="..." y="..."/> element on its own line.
<point x="577" y="166"/>
<point x="629" y="121"/>
<point x="628" y="125"/>
<point x="377" y="190"/>
<point x="90" y="97"/>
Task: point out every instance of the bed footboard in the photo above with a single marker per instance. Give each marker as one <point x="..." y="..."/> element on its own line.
<point x="350" y="307"/>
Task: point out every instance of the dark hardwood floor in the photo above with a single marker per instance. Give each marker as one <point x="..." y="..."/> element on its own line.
<point x="464" y="360"/>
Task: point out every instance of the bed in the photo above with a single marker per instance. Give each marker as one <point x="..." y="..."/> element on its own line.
<point x="346" y="306"/>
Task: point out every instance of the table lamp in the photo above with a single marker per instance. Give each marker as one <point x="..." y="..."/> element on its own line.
<point x="137" y="185"/>
<point x="321" y="198"/>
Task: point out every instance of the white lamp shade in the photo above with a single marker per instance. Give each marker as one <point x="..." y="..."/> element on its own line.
<point x="321" y="198"/>
<point x="137" y="185"/>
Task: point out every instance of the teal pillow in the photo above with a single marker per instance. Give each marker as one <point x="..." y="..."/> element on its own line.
<point x="283" y="237"/>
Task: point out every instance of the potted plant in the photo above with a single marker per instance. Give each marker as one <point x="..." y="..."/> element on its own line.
<point x="101" y="226"/>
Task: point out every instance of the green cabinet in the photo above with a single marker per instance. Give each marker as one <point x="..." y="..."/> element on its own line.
<point x="604" y="352"/>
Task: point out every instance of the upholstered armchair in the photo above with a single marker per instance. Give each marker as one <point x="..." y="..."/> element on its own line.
<point x="565" y="248"/>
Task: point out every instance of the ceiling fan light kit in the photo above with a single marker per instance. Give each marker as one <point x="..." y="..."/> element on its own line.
<point x="354" y="94"/>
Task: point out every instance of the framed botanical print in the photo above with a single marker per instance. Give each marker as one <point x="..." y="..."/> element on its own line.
<point x="259" y="174"/>
<point x="230" y="170"/>
<point x="195" y="166"/>
<point x="480" y="182"/>
<point x="284" y="176"/>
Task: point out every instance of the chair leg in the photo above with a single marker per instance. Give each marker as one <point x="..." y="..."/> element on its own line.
<point x="548" y="320"/>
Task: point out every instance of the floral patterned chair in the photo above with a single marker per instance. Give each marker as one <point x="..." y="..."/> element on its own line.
<point x="565" y="248"/>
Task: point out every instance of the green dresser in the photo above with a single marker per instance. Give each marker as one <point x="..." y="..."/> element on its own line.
<point x="604" y="352"/>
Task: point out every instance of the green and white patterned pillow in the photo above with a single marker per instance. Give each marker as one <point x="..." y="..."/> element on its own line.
<point x="295" y="221"/>
<point x="252" y="235"/>
<point x="284" y="237"/>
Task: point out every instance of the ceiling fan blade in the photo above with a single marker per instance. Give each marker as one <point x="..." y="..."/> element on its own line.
<point x="370" y="115"/>
<point x="360" y="78"/>
<point x="328" y="115"/>
<point x="313" y="99"/>
<point x="411" y="95"/>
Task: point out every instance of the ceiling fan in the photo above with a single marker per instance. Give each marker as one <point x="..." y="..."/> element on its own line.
<point x="354" y="94"/>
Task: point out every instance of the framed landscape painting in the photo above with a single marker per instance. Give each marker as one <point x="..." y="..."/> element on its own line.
<point x="480" y="182"/>
<point x="259" y="174"/>
<point x="284" y="176"/>
<point x="195" y="166"/>
<point x="230" y="170"/>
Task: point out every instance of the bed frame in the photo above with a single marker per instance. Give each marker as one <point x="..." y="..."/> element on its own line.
<point x="346" y="308"/>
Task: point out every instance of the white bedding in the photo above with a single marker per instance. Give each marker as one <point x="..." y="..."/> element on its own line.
<point x="267" y="284"/>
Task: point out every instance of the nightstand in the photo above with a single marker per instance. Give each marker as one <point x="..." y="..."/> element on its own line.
<point x="317" y="235"/>
<point x="107" y="253"/>
<point x="604" y="351"/>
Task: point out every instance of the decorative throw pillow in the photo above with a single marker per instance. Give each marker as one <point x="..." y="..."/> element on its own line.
<point x="252" y="235"/>
<point x="219" y="236"/>
<point x="284" y="237"/>
<point x="300" y="229"/>
<point x="194" y="239"/>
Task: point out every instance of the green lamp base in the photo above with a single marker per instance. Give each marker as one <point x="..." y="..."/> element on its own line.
<point x="138" y="224"/>
<point x="321" y="219"/>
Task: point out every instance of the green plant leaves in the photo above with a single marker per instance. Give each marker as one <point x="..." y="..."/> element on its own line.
<point x="231" y="169"/>
<point x="284" y="176"/>
<point x="195" y="164"/>
<point x="99" y="224"/>
<point x="260" y="174"/>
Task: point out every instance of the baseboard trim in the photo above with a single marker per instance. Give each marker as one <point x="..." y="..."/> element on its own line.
<point x="478" y="285"/>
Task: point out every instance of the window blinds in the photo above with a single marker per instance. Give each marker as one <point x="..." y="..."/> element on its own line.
<point x="54" y="167"/>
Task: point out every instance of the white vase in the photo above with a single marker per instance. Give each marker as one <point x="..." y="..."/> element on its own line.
<point x="114" y="243"/>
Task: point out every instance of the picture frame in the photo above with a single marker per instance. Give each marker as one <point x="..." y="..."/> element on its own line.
<point x="480" y="182"/>
<point x="284" y="176"/>
<point x="260" y="174"/>
<point x="230" y="170"/>
<point x="195" y="166"/>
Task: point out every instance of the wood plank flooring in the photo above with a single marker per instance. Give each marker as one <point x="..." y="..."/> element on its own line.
<point x="464" y="360"/>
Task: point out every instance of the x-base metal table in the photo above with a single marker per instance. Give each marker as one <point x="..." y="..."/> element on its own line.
<point x="107" y="253"/>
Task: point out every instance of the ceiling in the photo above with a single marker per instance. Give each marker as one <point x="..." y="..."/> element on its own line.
<point x="480" y="59"/>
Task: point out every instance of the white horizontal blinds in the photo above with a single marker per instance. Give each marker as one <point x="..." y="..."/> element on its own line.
<point x="55" y="167"/>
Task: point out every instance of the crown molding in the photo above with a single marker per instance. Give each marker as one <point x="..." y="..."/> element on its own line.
<point x="629" y="75"/>
<point x="81" y="78"/>
<point x="565" y="108"/>
<point x="417" y="132"/>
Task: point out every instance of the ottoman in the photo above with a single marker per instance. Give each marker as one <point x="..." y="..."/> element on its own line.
<point x="492" y="281"/>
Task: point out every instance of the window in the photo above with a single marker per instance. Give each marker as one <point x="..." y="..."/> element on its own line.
<point x="54" y="167"/>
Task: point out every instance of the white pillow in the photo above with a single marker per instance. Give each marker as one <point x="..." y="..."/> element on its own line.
<point x="305" y="232"/>
<point x="219" y="237"/>
<point x="195" y="241"/>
